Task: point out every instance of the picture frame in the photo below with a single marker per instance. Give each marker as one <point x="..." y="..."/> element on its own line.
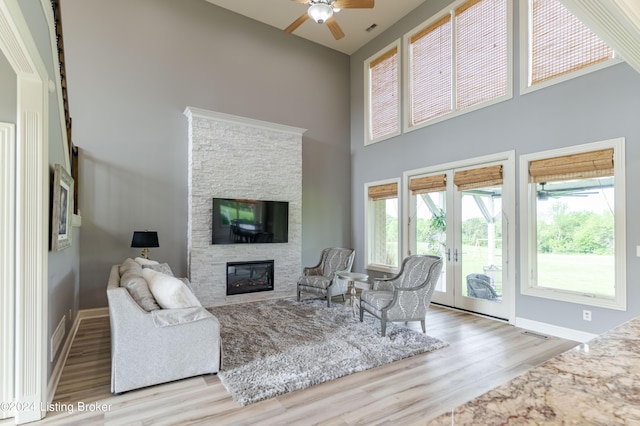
<point x="61" y="209"/>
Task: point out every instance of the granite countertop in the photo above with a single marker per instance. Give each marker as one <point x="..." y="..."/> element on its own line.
<point x="596" y="383"/>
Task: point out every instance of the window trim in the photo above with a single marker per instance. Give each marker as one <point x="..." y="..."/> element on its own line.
<point x="407" y="90"/>
<point x="367" y="94"/>
<point x="525" y="56"/>
<point x="527" y="236"/>
<point x="367" y="240"/>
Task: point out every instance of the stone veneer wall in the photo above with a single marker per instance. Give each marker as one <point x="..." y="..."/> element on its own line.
<point x="236" y="157"/>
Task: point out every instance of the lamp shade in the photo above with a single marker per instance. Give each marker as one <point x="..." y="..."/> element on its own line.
<point x="320" y="12"/>
<point x="145" y="239"/>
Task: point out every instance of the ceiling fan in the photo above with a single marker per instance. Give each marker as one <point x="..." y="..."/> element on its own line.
<point x="321" y="11"/>
<point x="545" y="194"/>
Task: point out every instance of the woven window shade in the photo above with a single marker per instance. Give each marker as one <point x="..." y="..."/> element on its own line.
<point x="481" y="51"/>
<point x="385" y="99"/>
<point x="575" y="166"/>
<point x="425" y="184"/>
<point x="478" y="178"/>
<point x="561" y="43"/>
<point x="431" y="71"/>
<point x="383" y="192"/>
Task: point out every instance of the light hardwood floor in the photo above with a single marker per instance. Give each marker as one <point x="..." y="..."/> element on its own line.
<point x="482" y="354"/>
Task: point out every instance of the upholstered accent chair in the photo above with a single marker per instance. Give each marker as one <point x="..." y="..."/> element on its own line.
<point x="406" y="296"/>
<point x="479" y="286"/>
<point x="323" y="278"/>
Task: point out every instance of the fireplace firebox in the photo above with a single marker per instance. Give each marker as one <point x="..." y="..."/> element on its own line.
<point x="249" y="277"/>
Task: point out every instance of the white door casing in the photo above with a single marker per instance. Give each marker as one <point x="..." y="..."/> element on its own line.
<point x="31" y="217"/>
<point x="7" y="267"/>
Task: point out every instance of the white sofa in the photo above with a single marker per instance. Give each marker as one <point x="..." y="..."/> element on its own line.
<point x="155" y="346"/>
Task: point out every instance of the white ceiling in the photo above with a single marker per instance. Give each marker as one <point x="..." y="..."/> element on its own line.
<point x="354" y="22"/>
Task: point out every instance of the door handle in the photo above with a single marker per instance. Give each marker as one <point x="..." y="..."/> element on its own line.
<point x="448" y="255"/>
<point x="455" y="255"/>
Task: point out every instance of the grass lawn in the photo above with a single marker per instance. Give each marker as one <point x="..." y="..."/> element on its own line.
<point x="585" y="273"/>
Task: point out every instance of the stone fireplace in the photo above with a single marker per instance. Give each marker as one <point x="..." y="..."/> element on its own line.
<point x="236" y="157"/>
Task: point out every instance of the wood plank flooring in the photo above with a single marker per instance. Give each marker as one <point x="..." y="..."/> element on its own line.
<point x="483" y="353"/>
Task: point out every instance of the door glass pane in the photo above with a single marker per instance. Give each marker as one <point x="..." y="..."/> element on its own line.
<point x="431" y="228"/>
<point x="481" y="234"/>
<point x="575" y="236"/>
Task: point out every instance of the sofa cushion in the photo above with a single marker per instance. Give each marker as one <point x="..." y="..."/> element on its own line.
<point x="160" y="267"/>
<point x="139" y="290"/>
<point x="187" y="283"/>
<point x="130" y="265"/>
<point x="169" y="292"/>
<point x="142" y="261"/>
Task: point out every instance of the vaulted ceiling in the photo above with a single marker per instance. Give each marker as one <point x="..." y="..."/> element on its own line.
<point x="354" y="22"/>
<point x="617" y="22"/>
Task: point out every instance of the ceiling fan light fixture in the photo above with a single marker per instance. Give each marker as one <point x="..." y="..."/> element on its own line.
<point x="320" y="12"/>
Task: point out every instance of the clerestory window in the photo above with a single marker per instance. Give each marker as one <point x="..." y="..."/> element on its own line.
<point x="458" y="61"/>
<point x="382" y="79"/>
<point x="557" y="46"/>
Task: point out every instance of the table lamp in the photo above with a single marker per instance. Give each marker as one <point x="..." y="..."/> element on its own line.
<point x="144" y="240"/>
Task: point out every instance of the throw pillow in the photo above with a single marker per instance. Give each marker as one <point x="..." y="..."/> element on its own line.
<point x="169" y="292"/>
<point x="187" y="283"/>
<point x="139" y="290"/>
<point x="160" y="267"/>
<point x="130" y="265"/>
<point x="142" y="261"/>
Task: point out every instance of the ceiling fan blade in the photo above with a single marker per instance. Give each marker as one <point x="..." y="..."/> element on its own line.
<point x="301" y="1"/>
<point x="295" y="24"/>
<point x="334" y="28"/>
<point x="353" y="4"/>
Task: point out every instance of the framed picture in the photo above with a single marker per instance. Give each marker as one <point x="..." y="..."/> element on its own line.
<point x="62" y="209"/>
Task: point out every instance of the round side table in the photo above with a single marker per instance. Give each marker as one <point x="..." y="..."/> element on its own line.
<point x="351" y="278"/>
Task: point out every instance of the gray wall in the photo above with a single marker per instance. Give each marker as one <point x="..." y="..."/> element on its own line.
<point x="63" y="266"/>
<point x="133" y="67"/>
<point x="599" y="106"/>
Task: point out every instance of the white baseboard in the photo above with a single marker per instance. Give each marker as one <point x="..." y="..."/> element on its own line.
<point x="554" y="330"/>
<point x="62" y="359"/>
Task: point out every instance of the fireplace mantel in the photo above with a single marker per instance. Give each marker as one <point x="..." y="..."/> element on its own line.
<point x="221" y="117"/>
<point x="239" y="157"/>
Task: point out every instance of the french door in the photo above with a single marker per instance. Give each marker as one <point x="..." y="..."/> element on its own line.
<point x="463" y="215"/>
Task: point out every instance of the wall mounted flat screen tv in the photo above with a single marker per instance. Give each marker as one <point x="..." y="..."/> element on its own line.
<point x="239" y="221"/>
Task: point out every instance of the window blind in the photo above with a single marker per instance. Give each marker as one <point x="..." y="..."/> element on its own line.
<point x="481" y="51"/>
<point x="431" y="71"/>
<point x="561" y="43"/>
<point x="385" y="96"/>
<point x="424" y="184"/>
<point x="383" y="192"/>
<point x="575" y="166"/>
<point x="478" y="178"/>
<point x="441" y="82"/>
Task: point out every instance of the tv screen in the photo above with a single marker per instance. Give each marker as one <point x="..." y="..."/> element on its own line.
<point x="238" y="221"/>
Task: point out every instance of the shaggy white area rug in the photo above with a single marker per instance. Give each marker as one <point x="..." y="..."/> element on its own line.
<point x="278" y="346"/>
